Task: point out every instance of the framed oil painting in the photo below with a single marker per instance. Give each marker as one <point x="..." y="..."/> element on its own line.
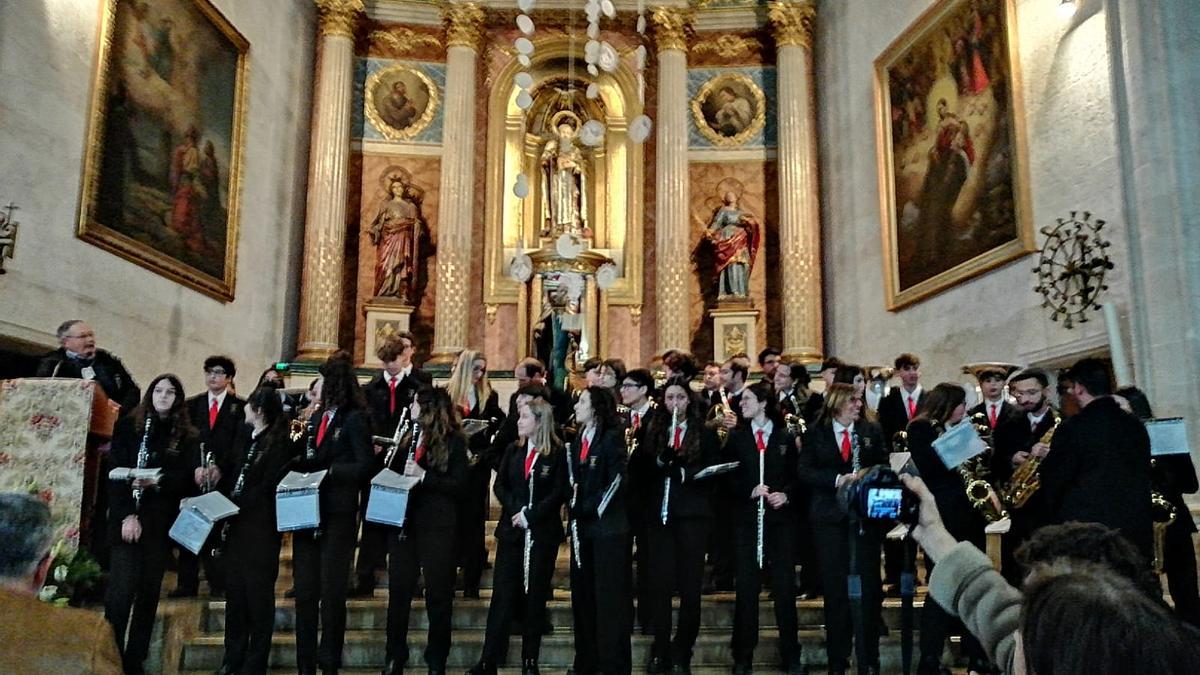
<point x="729" y="109"/>
<point x="162" y="165"/>
<point x="953" y="181"/>
<point x="400" y="101"/>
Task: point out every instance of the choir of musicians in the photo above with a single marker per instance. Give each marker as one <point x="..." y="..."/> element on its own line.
<point x="644" y="481"/>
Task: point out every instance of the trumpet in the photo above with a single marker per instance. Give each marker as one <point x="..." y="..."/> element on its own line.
<point x="1025" y="480"/>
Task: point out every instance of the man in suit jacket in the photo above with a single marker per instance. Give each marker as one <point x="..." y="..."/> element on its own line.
<point x="994" y="409"/>
<point x="1098" y="466"/>
<point x="36" y="637"/>
<point x="218" y="415"/>
<point x="901" y="403"/>
<point x="388" y="395"/>
<point x="78" y="358"/>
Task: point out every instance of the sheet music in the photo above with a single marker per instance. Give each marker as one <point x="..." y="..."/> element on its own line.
<point x="294" y="480"/>
<point x="1168" y="436"/>
<point x="212" y="505"/>
<point x="191" y="529"/>
<point x="471" y="427"/>
<point x="715" y="470"/>
<point x="960" y="443"/>
<point x="133" y="473"/>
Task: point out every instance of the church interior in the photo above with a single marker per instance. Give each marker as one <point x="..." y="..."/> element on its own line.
<point x="971" y="181"/>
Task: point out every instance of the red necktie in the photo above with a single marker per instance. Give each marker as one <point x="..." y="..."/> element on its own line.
<point x="392" y="396"/>
<point x="760" y="443"/>
<point x="637" y="421"/>
<point x="845" y="445"/>
<point x="992" y="416"/>
<point x="529" y="461"/>
<point x="323" y="427"/>
<point x="912" y="407"/>
<point x="419" y="453"/>
<point x="678" y="441"/>
<point x="583" y="451"/>
<point x="212" y="414"/>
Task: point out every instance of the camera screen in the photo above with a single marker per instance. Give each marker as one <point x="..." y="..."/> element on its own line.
<point x="884" y="502"/>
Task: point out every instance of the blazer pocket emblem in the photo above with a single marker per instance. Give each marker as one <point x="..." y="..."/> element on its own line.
<point x="337" y="434"/>
<point x="592" y="461"/>
<point x="545" y="471"/>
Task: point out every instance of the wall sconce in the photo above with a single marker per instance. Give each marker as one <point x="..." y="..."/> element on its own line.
<point x="8" y="234"/>
<point x="1066" y="9"/>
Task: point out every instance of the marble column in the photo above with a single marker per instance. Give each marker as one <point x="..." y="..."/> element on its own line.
<point x="799" y="205"/>
<point x="671" y="28"/>
<point x="328" y="165"/>
<point x="464" y="31"/>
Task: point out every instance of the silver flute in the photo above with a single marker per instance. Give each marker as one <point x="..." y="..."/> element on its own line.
<point x="666" y="502"/>
<point x="528" y="532"/>
<point x="762" y="510"/>
<point x="573" y="521"/>
<point x="143" y="457"/>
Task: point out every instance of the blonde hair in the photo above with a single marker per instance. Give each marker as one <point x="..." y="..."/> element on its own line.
<point x="460" y="378"/>
<point x="545" y="439"/>
<point x="838" y="395"/>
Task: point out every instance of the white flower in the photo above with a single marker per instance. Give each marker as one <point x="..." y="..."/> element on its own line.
<point x="60" y="573"/>
<point x="608" y="59"/>
<point x="47" y="593"/>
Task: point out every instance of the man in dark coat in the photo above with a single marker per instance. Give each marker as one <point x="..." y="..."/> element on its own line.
<point x="79" y="358"/>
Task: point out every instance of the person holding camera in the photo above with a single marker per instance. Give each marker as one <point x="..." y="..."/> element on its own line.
<point x="942" y="408"/>
<point x="765" y="485"/>
<point x="837" y="450"/>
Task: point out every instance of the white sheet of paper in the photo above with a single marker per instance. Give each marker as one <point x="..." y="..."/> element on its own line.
<point x="128" y="473"/>
<point x="898" y="460"/>
<point x="960" y="443"/>
<point x="1168" y="436"/>
<point x="191" y="529"/>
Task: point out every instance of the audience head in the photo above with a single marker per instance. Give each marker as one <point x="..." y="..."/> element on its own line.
<point x="219" y="372"/>
<point x="591" y="371"/>
<point x="597" y="405"/>
<point x="851" y="374"/>
<point x="270" y="378"/>
<point x="339" y="386"/>
<point x="469" y="373"/>
<point x="77" y="337"/>
<point x="1031" y="388"/>
<point x="1088" y="543"/>
<point x="396" y="352"/>
<point x="612" y="373"/>
<point x="28" y="534"/>
<point x="1089" y="380"/>
<point x="829" y="368"/>
<point x="678" y="363"/>
<point x="946" y="404"/>
<point x="908" y="369"/>
<point x="678" y="396"/>
<point x="163" y="399"/>
<point x="1135" y="401"/>
<point x="535" y="424"/>
<point x="760" y="398"/>
<point x="791" y="375"/>
<point x="438" y="420"/>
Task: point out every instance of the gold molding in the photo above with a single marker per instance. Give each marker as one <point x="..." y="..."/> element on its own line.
<point x="792" y="23"/>
<point x="635" y="314"/>
<point x="756" y="124"/>
<point x="339" y="17"/>
<point x="390" y="132"/>
<point x="672" y="26"/>
<point x="489" y="311"/>
<point x="464" y="25"/>
<point x="404" y="40"/>
<point x="727" y="46"/>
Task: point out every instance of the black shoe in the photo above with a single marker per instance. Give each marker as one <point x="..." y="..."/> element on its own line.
<point x="530" y="667"/>
<point x="883" y="629"/>
<point x="657" y="664"/>
<point x="437" y="671"/>
<point x="183" y="593"/>
<point x="308" y="670"/>
<point x="393" y="668"/>
<point x="482" y="668"/>
<point x="329" y="671"/>
<point x="797" y="669"/>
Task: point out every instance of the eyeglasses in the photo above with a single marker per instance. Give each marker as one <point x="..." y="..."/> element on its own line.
<point x="630" y="385"/>
<point x="81" y="336"/>
<point x="216" y="371"/>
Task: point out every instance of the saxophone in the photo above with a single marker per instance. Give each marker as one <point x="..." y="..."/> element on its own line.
<point x="974" y="476"/>
<point x="716" y="416"/>
<point x="1025" y="480"/>
<point x="143" y="457"/>
<point x="1164" y="514"/>
<point x="795" y="424"/>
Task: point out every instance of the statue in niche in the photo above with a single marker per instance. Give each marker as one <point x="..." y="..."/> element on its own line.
<point x="564" y="180"/>
<point x="557" y="331"/>
<point x="735" y="235"/>
<point x="395" y="232"/>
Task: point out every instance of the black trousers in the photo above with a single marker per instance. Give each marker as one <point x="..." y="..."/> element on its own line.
<point x="677" y="562"/>
<point x="1179" y="562"/>
<point x="252" y="557"/>
<point x="894" y="559"/>
<point x="600" y="606"/>
<point x="833" y="550"/>
<point x="188" y="578"/>
<point x="471" y="523"/>
<point x="322" y="571"/>
<point x="508" y="589"/>
<point x="372" y="545"/>
<point x="134" y="583"/>
<point x="721" y="538"/>
<point x="430" y="552"/>
<point x="806" y="557"/>
<point x="779" y="553"/>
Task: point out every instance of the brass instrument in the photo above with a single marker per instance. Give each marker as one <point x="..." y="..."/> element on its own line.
<point x="296" y="430"/>
<point x="393" y="442"/>
<point x="143" y="457"/>
<point x="795" y="424"/>
<point x="1025" y="480"/>
<point x="1164" y="515"/>
<point x="716" y="416"/>
<point x="974" y="473"/>
<point x="207" y="465"/>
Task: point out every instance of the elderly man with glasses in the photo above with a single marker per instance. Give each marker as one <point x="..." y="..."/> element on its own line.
<point x="79" y="358"/>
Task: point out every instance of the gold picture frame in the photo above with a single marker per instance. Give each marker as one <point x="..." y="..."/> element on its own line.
<point x="729" y="109"/>
<point x="162" y="169"/>
<point x="400" y="121"/>
<point x="951" y="149"/>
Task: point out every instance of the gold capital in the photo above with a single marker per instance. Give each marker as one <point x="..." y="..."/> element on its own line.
<point x="339" y="17"/>
<point x="464" y="25"/>
<point x="792" y="22"/>
<point x="672" y="27"/>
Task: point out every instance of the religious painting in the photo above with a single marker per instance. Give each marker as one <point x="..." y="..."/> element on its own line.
<point x="952" y="160"/>
<point x="162" y="166"/>
<point x="729" y="109"/>
<point x="400" y="101"/>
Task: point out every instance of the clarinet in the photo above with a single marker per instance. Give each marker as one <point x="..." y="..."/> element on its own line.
<point x="206" y="460"/>
<point x="667" y="480"/>
<point x="310" y="443"/>
<point x="574" y="522"/>
<point x="238" y="486"/>
<point x="143" y="457"/>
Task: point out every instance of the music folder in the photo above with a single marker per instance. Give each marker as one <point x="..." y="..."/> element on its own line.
<point x="388" y="504"/>
<point x="958" y="444"/>
<point x="1168" y="436"/>
<point x="133" y="473"/>
<point x="715" y="470"/>
<point x="471" y="427"/>
<point x="197" y="516"/>
<point x="298" y="501"/>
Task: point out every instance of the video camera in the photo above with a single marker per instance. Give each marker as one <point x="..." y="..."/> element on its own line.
<point x="879" y="497"/>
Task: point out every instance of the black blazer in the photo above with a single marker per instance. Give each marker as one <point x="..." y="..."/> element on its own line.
<point x="605" y="463"/>
<point x="1008" y="412"/>
<point x="812" y="408"/>
<point x="345" y="451"/>
<point x="432" y="502"/>
<point x="178" y="461"/>
<point x="1175" y="476"/>
<point x="1098" y="470"/>
<point x="1012" y="435"/>
<point x="893" y="417"/>
<point x="218" y="440"/>
<point x="550" y="491"/>
<point x="379" y="395"/>
<point x="961" y="519"/>
<point x="480" y="443"/>
<point x="821" y="463"/>
<point x="688" y="498"/>
<point x="111" y="374"/>
<point x="779" y="470"/>
<point x="271" y="455"/>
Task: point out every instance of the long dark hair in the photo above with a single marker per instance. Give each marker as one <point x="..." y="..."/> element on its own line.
<point x="340" y="389"/>
<point x="265" y="399"/>
<point x="940" y="402"/>
<point x="763" y="392"/>
<point x="440" y="425"/>
<point x="604" y="409"/>
<point x="693" y="414"/>
<point x="176" y="417"/>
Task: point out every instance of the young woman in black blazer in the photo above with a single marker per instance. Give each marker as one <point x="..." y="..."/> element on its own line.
<point x="836" y="451"/>
<point x="600" y="574"/>
<point x="140" y="513"/>
<point x="250" y="540"/>
<point x="338" y="440"/>
<point x="472" y="393"/>
<point x="425" y="544"/>
<point x="678" y="446"/>
<point x="941" y="408"/>
<point x="764" y="480"/>
<point x="531" y="486"/>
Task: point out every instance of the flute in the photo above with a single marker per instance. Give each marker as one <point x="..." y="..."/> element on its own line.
<point x="667" y="479"/>
<point x="574" y="495"/>
<point x="528" y="533"/>
<point x="762" y="509"/>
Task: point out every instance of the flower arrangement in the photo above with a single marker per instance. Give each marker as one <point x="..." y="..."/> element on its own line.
<point x="74" y="572"/>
